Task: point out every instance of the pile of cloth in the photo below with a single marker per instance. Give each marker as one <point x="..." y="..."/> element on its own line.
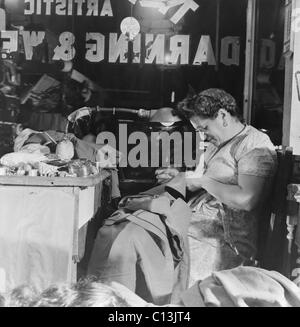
<point x="243" y="287"/>
<point x="237" y="287"/>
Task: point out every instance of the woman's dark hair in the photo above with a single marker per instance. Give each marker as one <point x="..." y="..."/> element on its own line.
<point x="206" y="104"/>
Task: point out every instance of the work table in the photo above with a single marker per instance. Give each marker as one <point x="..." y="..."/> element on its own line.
<point x="42" y="226"/>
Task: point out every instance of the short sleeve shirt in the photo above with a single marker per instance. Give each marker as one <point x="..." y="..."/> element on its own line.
<point x="250" y="153"/>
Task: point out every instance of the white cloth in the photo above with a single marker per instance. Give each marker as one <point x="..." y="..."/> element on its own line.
<point x="14" y="158"/>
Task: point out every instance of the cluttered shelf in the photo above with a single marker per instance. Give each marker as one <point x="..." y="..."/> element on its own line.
<point x="55" y="181"/>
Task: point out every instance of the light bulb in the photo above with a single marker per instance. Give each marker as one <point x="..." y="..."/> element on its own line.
<point x="130" y="27"/>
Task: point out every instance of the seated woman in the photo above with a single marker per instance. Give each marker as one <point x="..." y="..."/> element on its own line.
<point x="239" y="163"/>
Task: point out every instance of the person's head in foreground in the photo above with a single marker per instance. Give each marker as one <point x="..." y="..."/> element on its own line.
<point x="212" y="111"/>
<point x="86" y="293"/>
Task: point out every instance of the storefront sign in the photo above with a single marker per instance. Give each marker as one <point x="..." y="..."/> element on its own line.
<point x="147" y="48"/>
<point x="68" y="7"/>
<point x="104" y="7"/>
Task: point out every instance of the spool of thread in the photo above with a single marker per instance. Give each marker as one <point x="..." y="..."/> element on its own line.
<point x="21" y="172"/>
<point x="98" y="166"/>
<point x="33" y="172"/>
<point x="3" y="171"/>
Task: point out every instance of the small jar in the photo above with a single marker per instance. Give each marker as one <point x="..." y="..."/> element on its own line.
<point x="84" y="171"/>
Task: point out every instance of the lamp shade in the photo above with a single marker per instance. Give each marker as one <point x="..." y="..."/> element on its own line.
<point x="164" y="116"/>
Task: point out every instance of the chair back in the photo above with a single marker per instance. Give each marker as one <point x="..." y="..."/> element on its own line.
<point x="272" y="226"/>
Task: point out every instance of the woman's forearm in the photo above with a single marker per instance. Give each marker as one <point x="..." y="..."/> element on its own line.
<point x="232" y="195"/>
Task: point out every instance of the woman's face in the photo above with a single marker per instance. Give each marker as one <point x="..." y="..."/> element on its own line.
<point x="213" y="128"/>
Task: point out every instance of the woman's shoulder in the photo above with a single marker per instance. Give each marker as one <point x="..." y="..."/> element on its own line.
<point x="255" y="138"/>
<point x="255" y="142"/>
<point x="256" y="155"/>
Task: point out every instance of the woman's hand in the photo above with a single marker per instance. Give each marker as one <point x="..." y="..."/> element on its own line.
<point x="163" y="175"/>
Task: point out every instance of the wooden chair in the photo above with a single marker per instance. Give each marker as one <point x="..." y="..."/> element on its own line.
<point x="273" y="242"/>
